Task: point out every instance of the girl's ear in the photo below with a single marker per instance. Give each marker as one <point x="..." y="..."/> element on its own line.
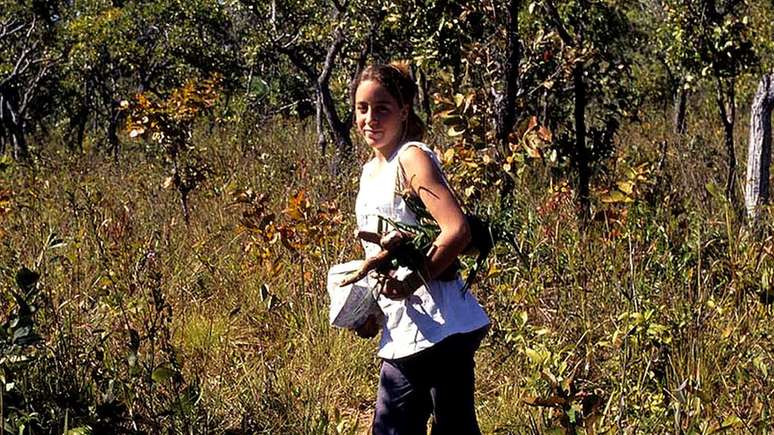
<point x="404" y="113"/>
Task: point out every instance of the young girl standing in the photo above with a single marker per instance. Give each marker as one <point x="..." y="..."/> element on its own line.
<point x="431" y="326"/>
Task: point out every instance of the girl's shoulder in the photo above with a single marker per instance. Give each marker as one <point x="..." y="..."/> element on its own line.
<point x="418" y="151"/>
<point x="415" y="145"/>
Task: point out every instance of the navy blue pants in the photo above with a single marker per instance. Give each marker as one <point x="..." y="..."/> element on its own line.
<point x="438" y="381"/>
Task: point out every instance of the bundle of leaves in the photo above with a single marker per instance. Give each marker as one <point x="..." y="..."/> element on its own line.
<point x="416" y="241"/>
<point x="482" y="235"/>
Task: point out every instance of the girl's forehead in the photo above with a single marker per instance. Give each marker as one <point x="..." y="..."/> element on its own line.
<point x="373" y="91"/>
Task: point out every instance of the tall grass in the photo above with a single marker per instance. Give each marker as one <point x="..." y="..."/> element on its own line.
<point x="647" y="320"/>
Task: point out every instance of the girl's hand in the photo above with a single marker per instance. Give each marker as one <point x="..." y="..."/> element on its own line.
<point x="392" y="240"/>
<point x="369" y="328"/>
<point x="397" y="289"/>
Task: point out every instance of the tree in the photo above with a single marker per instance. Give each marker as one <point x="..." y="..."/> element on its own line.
<point x="168" y="122"/>
<point x="26" y="63"/>
<point x="711" y="41"/>
<point x="314" y="38"/>
<point x="586" y="43"/>
<point x="115" y="51"/>
<point x="759" y="155"/>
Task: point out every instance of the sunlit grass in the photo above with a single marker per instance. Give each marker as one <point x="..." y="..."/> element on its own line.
<point x="652" y="311"/>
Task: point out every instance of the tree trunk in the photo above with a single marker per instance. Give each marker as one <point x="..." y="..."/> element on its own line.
<point x="727" y="111"/>
<point x="510" y="75"/>
<point x="581" y="154"/>
<point x="759" y="155"/>
<point x="2" y="138"/>
<point x="77" y="129"/>
<point x="318" y="122"/>
<point x="15" y="127"/>
<point x="680" y="105"/>
<point x="20" y="150"/>
<point x="339" y="130"/>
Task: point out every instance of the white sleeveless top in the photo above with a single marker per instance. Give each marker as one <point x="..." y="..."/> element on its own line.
<point x="431" y="313"/>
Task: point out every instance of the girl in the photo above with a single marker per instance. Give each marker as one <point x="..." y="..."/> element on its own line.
<point x="431" y="327"/>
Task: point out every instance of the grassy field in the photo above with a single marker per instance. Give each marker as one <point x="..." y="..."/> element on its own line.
<point x="649" y="319"/>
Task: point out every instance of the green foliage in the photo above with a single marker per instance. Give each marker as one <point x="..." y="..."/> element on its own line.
<point x="706" y="42"/>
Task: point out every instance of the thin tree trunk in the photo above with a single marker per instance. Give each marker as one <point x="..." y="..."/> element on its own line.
<point x="318" y="122"/>
<point x="680" y="106"/>
<point x="510" y="75"/>
<point x="77" y="129"/>
<point x="112" y="132"/>
<point x="15" y="124"/>
<point x="2" y="137"/>
<point x="4" y="133"/>
<point x="759" y="155"/>
<point x="339" y="130"/>
<point x="20" y="150"/>
<point x="727" y="112"/>
<point x="581" y="154"/>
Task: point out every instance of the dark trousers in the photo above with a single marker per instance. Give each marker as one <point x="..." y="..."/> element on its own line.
<point x="437" y="381"/>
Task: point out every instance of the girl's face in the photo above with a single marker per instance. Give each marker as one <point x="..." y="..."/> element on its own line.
<point x="378" y="116"/>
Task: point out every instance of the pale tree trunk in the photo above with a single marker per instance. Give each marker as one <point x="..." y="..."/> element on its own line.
<point x="759" y="155"/>
<point x="14" y="124"/>
<point x="318" y="122"/>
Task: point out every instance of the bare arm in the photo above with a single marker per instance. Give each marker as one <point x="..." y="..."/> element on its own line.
<point x="426" y="181"/>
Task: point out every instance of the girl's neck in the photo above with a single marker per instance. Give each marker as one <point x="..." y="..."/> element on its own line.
<point x="386" y="153"/>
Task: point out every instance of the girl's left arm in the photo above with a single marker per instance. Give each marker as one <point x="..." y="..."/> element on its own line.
<point x="427" y="183"/>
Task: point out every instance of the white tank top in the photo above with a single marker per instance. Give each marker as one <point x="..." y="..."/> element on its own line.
<point x="431" y="313"/>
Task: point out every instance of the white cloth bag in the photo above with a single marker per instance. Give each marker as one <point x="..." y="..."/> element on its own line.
<point x="350" y="304"/>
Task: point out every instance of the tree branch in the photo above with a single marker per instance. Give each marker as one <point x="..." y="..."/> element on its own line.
<point x="556" y="21"/>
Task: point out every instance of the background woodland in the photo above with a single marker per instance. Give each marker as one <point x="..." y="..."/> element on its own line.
<point x="176" y="178"/>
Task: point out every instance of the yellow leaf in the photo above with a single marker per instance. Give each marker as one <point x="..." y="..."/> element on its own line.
<point x="459" y="99"/>
<point x="448" y="155"/>
<point x="533" y="355"/>
<point x="615" y="196"/>
<point x="453" y="132"/>
<point x="625" y="187"/>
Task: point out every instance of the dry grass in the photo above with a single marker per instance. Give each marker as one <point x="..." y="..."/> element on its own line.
<point x="651" y="316"/>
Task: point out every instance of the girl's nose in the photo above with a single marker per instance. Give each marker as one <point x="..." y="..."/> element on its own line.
<point x="371" y="117"/>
